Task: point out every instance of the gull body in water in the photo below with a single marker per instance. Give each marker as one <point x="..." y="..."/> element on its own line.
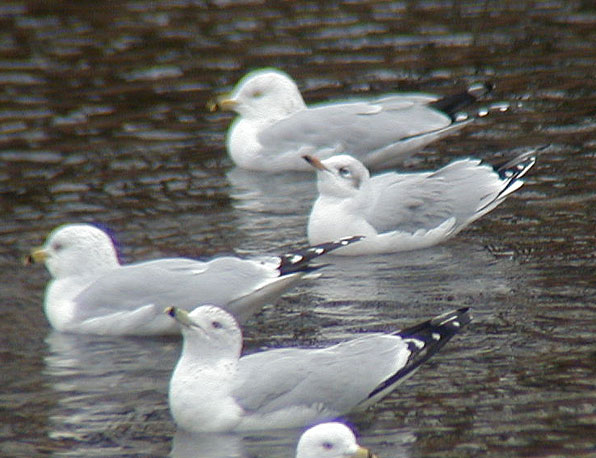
<point x="92" y="293"/>
<point x="214" y="389"/>
<point x="275" y="127"/>
<point x="406" y="211"/>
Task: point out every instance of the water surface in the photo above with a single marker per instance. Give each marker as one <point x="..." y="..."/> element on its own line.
<point x="103" y="119"/>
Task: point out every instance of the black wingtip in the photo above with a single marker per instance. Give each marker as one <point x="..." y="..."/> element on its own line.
<point x="512" y="172"/>
<point x="297" y="261"/>
<point x="446" y="323"/>
<point x="516" y="168"/>
<point x="424" y="340"/>
<point x="452" y="104"/>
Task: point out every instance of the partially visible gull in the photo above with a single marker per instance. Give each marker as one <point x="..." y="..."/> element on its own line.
<point x="406" y="211"/>
<point x="275" y="128"/>
<point x="91" y="293"/>
<point x="213" y="389"/>
<point x="330" y="440"/>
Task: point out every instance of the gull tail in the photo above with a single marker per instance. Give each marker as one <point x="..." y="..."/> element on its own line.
<point x="423" y="340"/>
<point x="298" y="261"/>
<point x="452" y="104"/>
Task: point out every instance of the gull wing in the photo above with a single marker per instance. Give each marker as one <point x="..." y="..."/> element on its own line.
<point x="345" y="377"/>
<point x="184" y="282"/>
<point x="409" y="202"/>
<point x="357" y="128"/>
<point x="333" y="380"/>
<point x="238" y="285"/>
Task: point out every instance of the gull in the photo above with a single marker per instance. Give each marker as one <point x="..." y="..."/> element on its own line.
<point x="275" y="128"/>
<point x="91" y="293"/>
<point x="330" y="440"/>
<point x="406" y="211"/>
<point x="213" y="389"/>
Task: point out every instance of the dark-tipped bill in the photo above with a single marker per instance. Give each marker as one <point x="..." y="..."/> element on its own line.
<point x="37" y="255"/>
<point x="181" y="316"/>
<point x="315" y="162"/>
<point x="224" y="103"/>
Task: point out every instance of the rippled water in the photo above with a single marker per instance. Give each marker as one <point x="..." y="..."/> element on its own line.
<point x="103" y="119"/>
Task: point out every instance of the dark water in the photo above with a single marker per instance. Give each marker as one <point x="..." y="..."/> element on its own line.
<point x="102" y="119"/>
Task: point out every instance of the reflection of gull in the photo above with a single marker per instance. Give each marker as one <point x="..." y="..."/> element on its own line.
<point x="270" y="209"/>
<point x="275" y="127"/>
<point x="406" y="211"/>
<point x="92" y="293"/>
<point x="280" y="194"/>
<point x="330" y="440"/>
<point x="212" y="445"/>
<point x="213" y="389"/>
<point x="107" y="391"/>
<point x="460" y="269"/>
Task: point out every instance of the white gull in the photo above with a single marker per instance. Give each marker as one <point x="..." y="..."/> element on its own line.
<point x="275" y="128"/>
<point x="92" y="293"/>
<point x="214" y="389"/>
<point x="406" y="211"/>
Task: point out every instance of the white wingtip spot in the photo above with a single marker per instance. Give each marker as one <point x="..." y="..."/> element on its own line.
<point x="482" y="112"/>
<point x="296" y="258"/>
<point x="418" y="343"/>
<point x="500" y="106"/>
<point x="456" y="324"/>
<point x="318" y="250"/>
<point x="436" y="336"/>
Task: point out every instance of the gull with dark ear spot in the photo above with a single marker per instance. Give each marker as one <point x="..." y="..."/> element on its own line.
<point x="214" y="389"/>
<point x="406" y="211"/>
<point x="92" y="293"/>
<point x="275" y="128"/>
<point x="330" y="440"/>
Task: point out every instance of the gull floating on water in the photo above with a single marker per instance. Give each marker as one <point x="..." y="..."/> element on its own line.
<point x="330" y="440"/>
<point x="406" y="211"/>
<point x="275" y="128"/>
<point x="91" y="293"/>
<point x="213" y="389"/>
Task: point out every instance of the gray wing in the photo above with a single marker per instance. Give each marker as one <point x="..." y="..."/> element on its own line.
<point x="358" y="128"/>
<point x="337" y="378"/>
<point x="181" y="282"/>
<point x="408" y="202"/>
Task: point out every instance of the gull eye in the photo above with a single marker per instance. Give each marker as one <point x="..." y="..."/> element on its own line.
<point x="57" y="246"/>
<point x="216" y="324"/>
<point x="327" y="445"/>
<point x="256" y="94"/>
<point x="345" y="172"/>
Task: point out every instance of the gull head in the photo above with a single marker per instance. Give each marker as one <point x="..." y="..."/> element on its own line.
<point x="76" y="249"/>
<point x="209" y="331"/>
<point x="339" y="176"/>
<point x="330" y="440"/>
<point x="265" y="94"/>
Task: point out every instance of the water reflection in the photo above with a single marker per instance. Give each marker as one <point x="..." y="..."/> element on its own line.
<point x="276" y="194"/>
<point x="102" y="120"/>
<point x="109" y="391"/>
<point x="187" y="445"/>
<point x="271" y="209"/>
